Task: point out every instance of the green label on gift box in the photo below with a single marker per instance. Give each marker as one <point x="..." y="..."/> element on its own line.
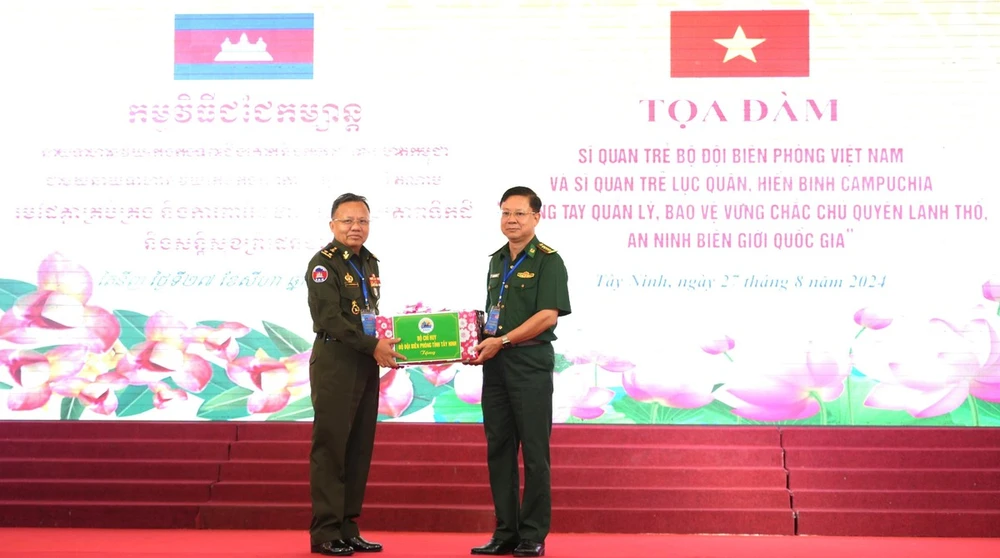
<point x="428" y="337"/>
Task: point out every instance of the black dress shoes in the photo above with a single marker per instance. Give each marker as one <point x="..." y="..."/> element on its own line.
<point x="496" y="547"/>
<point x="529" y="548"/>
<point x="361" y="545"/>
<point x="333" y="548"/>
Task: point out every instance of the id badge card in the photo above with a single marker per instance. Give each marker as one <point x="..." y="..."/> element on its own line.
<point x="368" y="322"/>
<point x="492" y="321"/>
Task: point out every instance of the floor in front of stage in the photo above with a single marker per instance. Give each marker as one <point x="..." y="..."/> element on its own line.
<point x="135" y="543"/>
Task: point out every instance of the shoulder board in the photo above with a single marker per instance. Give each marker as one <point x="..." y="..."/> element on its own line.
<point x="546" y="248"/>
<point x="327" y="253"/>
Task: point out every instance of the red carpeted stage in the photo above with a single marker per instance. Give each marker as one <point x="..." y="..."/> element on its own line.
<point x="427" y="478"/>
<point x="59" y="543"/>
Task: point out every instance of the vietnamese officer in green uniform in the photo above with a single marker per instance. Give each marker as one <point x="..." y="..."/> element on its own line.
<point x="527" y="291"/>
<point x="343" y="284"/>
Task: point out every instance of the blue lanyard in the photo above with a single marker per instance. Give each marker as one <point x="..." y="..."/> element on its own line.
<point x="507" y="275"/>
<point x="364" y="287"/>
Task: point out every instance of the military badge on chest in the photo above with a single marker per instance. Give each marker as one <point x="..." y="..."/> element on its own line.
<point x="376" y="284"/>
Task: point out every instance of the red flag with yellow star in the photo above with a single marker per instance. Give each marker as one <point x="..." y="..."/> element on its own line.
<point x="759" y="43"/>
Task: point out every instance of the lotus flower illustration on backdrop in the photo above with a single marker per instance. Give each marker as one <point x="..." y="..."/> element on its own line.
<point x="788" y="390"/>
<point x="991" y="291"/>
<point x="273" y="381"/>
<point x="219" y="342"/>
<point x="469" y="384"/>
<point x="98" y="395"/>
<point x="164" y="355"/>
<point x="164" y="396"/>
<point x="605" y="362"/>
<point x="574" y="395"/>
<point x="932" y="367"/>
<point x="97" y="381"/>
<point x="872" y="319"/>
<point x="57" y="313"/>
<point x="33" y="374"/>
<point x="439" y="374"/>
<point x="681" y="390"/>
<point x="395" y="392"/>
<point x="720" y="346"/>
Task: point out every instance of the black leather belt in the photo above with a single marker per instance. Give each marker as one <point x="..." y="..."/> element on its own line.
<point x="528" y="343"/>
<point x="322" y="335"/>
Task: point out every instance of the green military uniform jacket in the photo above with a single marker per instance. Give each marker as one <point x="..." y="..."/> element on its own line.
<point x="538" y="283"/>
<point x="336" y="294"/>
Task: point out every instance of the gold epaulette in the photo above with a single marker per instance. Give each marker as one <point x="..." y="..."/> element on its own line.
<point x="546" y="248"/>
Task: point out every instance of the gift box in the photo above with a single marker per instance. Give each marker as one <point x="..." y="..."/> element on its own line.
<point x="433" y="338"/>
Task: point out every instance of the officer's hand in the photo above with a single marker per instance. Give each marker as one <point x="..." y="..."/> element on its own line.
<point x="385" y="355"/>
<point x="486" y="350"/>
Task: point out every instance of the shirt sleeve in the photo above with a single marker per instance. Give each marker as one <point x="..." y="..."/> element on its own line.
<point x="553" y="285"/>
<point x="325" y="303"/>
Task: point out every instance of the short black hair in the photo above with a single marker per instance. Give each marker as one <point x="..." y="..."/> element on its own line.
<point x="533" y="200"/>
<point x="347" y="198"/>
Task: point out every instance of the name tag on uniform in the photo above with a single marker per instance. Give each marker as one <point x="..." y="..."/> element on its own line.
<point x="368" y="322"/>
<point x="492" y="321"/>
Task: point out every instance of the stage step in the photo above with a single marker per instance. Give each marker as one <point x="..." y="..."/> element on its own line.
<point x="100" y="515"/>
<point x="566" y="475"/>
<point x="897" y="499"/>
<point x="408" y="493"/>
<point x="893" y="458"/>
<point x="163" y="468"/>
<point x="433" y="477"/>
<point x="480" y="519"/>
<point x="576" y="434"/>
<point x="899" y="523"/>
<point x="889" y="479"/>
<point x="599" y="455"/>
<point x="105" y="490"/>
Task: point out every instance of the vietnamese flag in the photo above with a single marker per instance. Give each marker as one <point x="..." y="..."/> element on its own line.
<point x="759" y="43"/>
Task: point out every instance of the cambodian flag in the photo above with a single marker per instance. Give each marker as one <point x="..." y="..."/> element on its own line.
<point x="243" y="46"/>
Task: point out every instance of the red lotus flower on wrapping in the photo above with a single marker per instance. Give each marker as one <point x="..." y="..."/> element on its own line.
<point x="272" y="381"/>
<point x="58" y="313"/>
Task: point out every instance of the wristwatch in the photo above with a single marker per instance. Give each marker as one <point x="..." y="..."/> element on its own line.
<point x="506" y="342"/>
